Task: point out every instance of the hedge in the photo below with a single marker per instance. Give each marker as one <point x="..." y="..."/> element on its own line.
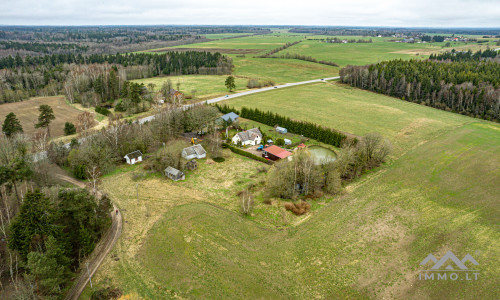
<point x="247" y="154"/>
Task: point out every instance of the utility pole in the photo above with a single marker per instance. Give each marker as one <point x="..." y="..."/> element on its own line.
<point x="88" y="273"/>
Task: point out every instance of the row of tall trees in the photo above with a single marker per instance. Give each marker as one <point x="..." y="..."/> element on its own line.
<point x="308" y="129"/>
<point x="454" y="55"/>
<point x="466" y="87"/>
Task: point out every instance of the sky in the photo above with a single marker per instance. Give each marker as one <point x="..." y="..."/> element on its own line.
<point x="409" y="13"/>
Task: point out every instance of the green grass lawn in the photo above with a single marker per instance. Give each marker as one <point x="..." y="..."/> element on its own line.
<point x="206" y="86"/>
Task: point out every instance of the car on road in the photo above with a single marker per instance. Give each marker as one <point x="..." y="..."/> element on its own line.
<point x="275" y="87"/>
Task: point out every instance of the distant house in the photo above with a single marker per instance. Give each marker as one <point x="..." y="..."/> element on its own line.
<point x="281" y="130"/>
<point x="288" y="142"/>
<point x="275" y="153"/>
<point x="133" y="157"/>
<point x="195" y="151"/>
<point x="301" y="146"/>
<point x="250" y="137"/>
<point x="174" y="174"/>
<point x="230" y="117"/>
<point x="269" y="141"/>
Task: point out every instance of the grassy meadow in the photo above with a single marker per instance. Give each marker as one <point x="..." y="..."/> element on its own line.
<point x="356" y="111"/>
<point x="206" y="86"/>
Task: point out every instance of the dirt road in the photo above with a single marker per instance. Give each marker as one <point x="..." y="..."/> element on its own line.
<point x="102" y="249"/>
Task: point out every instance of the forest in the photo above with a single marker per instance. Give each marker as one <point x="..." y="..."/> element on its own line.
<point x="468" y="87"/>
<point x="76" y="75"/>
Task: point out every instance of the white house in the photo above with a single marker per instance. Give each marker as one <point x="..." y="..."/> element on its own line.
<point x="288" y="142"/>
<point x="250" y="137"/>
<point x="133" y="157"/>
<point x="195" y="151"/>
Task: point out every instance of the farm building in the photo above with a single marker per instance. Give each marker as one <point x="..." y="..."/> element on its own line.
<point x="230" y="117"/>
<point x="133" y="157"/>
<point x="195" y="151"/>
<point x="275" y="153"/>
<point x="174" y="174"/>
<point x="281" y="130"/>
<point x="288" y="142"/>
<point x="250" y="137"/>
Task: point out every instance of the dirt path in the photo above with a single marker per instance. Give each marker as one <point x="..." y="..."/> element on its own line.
<point x="102" y="249"/>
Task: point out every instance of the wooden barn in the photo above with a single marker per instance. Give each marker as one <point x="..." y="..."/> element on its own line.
<point x="133" y="157"/>
<point x="174" y="174"/>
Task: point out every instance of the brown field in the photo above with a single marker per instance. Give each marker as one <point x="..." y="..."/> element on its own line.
<point x="212" y="50"/>
<point x="27" y="113"/>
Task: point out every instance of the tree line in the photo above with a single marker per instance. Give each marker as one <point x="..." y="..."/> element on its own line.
<point x="466" y="87"/>
<point x="275" y="50"/>
<point x="305" y="58"/>
<point x="307" y="129"/>
<point x="454" y="55"/>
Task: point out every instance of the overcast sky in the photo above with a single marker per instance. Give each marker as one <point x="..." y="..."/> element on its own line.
<point x="408" y="13"/>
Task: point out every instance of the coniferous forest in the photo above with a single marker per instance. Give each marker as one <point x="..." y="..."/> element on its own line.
<point x="469" y="85"/>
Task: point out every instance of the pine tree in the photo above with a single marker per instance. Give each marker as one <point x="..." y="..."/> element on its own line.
<point x="46" y="116"/>
<point x="11" y="125"/>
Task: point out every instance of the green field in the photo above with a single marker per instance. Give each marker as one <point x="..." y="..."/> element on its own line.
<point x="206" y="86"/>
<point x="356" y="111"/>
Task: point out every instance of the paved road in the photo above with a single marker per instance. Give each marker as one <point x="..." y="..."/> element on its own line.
<point x="100" y="252"/>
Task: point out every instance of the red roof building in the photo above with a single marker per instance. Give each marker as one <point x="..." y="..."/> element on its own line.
<point x="274" y="153"/>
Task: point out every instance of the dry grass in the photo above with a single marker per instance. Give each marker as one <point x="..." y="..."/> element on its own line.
<point x="27" y="113"/>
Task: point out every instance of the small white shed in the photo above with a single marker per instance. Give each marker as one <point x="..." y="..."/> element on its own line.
<point x="133" y="157"/>
<point x="288" y="142"/>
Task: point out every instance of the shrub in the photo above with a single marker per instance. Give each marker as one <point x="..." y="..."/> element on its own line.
<point x="299" y="208"/>
<point x="103" y="110"/>
<point x="120" y="107"/>
<point x="219" y="159"/>
<point x="69" y="128"/>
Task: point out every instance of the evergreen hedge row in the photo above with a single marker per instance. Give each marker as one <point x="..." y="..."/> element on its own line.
<point x="322" y="134"/>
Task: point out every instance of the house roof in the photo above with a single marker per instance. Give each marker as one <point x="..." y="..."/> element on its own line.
<point x="231" y="116"/>
<point x="277" y="151"/>
<point x="173" y="171"/>
<point x="249" y="135"/>
<point x="280" y="128"/>
<point x="301" y="146"/>
<point x="195" y="149"/>
<point x="135" y="154"/>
